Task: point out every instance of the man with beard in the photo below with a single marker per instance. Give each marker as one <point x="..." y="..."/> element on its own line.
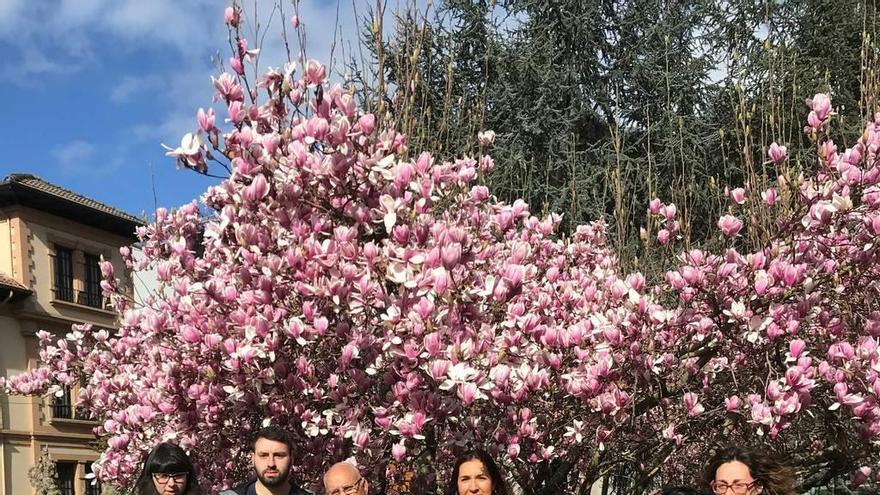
<point x="270" y="454"/>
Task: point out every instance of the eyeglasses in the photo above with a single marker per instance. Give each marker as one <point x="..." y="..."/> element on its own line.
<point x="347" y="489"/>
<point x="738" y="487"/>
<point x="163" y="478"/>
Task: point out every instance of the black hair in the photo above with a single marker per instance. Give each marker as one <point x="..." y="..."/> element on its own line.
<point x="499" y="484"/>
<point x="170" y="459"/>
<point x="273" y="433"/>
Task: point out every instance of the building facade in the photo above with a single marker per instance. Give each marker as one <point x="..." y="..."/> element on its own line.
<point x="51" y="243"/>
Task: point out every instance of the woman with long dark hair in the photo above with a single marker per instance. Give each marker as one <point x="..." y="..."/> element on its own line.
<point x="167" y="471"/>
<point x="475" y="473"/>
<point x="740" y="471"/>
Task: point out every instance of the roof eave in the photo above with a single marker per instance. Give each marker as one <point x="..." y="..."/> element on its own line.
<point x="22" y="194"/>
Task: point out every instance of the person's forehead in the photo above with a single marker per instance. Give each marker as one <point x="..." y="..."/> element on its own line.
<point x="273" y="446"/>
<point x="341" y="476"/>
<point x="474" y="466"/>
<point x="733" y="471"/>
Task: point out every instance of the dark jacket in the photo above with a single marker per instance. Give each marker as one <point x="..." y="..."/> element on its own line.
<point x="242" y="489"/>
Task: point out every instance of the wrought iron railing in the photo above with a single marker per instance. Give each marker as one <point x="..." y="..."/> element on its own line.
<point x="90" y="298"/>
<point x="63" y="293"/>
<point x="84" y="297"/>
<point x="63" y="407"/>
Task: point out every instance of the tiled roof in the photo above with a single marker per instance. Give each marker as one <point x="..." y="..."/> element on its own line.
<point x="39" y="184"/>
<point x="7" y="281"/>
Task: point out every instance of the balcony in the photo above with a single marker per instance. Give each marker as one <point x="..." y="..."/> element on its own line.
<point x="78" y="282"/>
<point x="91" y="298"/>
<point x="64" y="409"/>
<point x="82" y="297"/>
<point x="63" y="294"/>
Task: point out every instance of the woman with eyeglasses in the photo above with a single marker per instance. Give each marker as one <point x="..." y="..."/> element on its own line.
<point x="475" y="473"/>
<point x="740" y="471"/>
<point x="167" y="471"/>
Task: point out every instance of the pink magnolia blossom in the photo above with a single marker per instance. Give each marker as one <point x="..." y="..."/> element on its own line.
<point x="227" y="88"/>
<point x="663" y="236"/>
<point x="206" y="119"/>
<point x="692" y="404"/>
<point x="232" y="16"/>
<point x="398" y="451"/>
<point x="236" y="65"/>
<point x="821" y="104"/>
<point x="738" y="195"/>
<point x="367" y="123"/>
<point x="796" y="348"/>
<point x="315" y="73"/>
<point x="861" y="476"/>
<point x="777" y="153"/>
<point x="732" y="404"/>
<point x="729" y="225"/>
<point x="820" y="113"/>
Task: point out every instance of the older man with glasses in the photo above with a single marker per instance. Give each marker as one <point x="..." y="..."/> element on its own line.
<point x="343" y="478"/>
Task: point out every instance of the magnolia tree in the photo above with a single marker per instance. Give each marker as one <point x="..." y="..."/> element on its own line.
<point x="383" y="304"/>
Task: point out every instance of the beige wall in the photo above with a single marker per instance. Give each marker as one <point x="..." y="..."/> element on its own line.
<point x="5" y="247"/>
<point x="16" y="410"/>
<point x="16" y="453"/>
<point x="13" y="247"/>
<point x="27" y="242"/>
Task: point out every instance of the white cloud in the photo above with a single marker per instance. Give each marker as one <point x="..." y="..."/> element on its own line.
<point x="10" y="7"/>
<point x="74" y="33"/>
<point x="131" y="86"/>
<point x="79" y="12"/>
<point x="11" y="10"/>
<point x="74" y="152"/>
<point x="80" y="157"/>
<point x="186" y="26"/>
<point x="168" y="129"/>
<point x="33" y="62"/>
<point x="71" y="29"/>
<point x="183" y="92"/>
<point x="76" y="158"/>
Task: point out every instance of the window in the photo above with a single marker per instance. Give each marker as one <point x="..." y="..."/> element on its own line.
<point x="62" y="407"/>
<point x="92" y="486"/>
<point x="92" y="296"/>
<point x="66" y="477"/>
<point x="63" y="274"/>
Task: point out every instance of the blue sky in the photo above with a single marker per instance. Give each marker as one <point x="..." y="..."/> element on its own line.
<point x="90" y="88"/>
